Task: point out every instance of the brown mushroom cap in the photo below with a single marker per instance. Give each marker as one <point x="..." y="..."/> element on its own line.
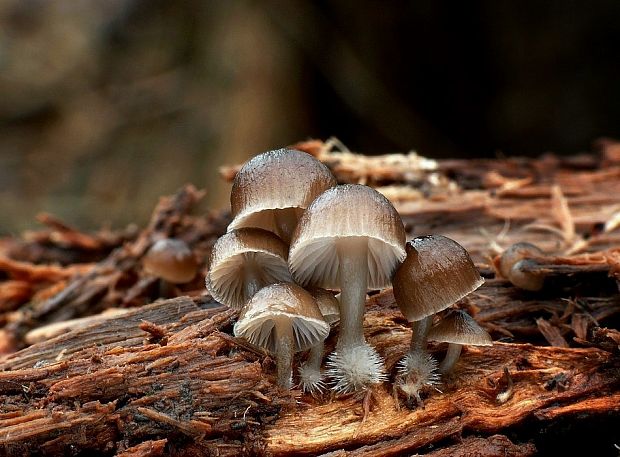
<point x="436" y="273"/>
<point x="282" y="304"/>
<point x="285" y="179"/>
<point x="245" y="255"/>
<point x="458" y="327"/>
<point x="171" y="260"/>
<point x="340" y="213"/>
<point x="515" y="253"/>
<point x="328" y="304"/>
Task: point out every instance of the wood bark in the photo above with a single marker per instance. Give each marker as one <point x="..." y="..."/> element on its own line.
<point x="166" y="377"/>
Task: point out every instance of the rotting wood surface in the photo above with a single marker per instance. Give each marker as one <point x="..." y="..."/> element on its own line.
<point x="167" y="378"/>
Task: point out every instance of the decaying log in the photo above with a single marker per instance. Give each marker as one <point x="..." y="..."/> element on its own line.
<point x="166" y="377"/>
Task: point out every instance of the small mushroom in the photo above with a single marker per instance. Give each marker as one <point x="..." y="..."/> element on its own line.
<point x="310" y="376"/>
<point x="243" y="262"/>
<point x="350" y="238"/>
<point x="172" y="261"/>
<point x="272" y="190"/>
<point x="436" y="273"/>
<point x="282" y="318"/>
<point x="458" y="328"/>
<point x="514" y="263"/>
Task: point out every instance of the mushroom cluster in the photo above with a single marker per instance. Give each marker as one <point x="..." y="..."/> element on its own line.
<point x="297" y="237"/>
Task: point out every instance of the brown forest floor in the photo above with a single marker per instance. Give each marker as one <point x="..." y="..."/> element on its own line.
<point x="165" y="377"/>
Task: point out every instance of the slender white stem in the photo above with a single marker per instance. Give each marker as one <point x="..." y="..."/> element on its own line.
<point x="315" y="357"/>
<point x="452" y="355"/>
<point x="353" y="256"/>
<point x="419" y="332"/>
<point x="284" y="353"/>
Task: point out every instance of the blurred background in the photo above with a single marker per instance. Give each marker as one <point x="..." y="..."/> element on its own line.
<point x="106" y="105"/>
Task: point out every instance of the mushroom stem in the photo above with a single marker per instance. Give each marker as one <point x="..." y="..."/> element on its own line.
<point x="284" y="354"/>
<point x="315" y="356"/>
<point x="285" y="221"/>
<point x="419" y="333"/>
<point x="452" y="355"/>
<point x="352" y="253"/>
<point x="252" y="282"/>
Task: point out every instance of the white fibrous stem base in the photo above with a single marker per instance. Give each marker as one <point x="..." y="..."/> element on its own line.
<point x="353" y="368"/>
<point x="310" y="376"/>
<point x="417" y="372"/>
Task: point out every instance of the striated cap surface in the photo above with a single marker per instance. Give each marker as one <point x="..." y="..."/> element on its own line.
<point x="436" y="273"/>
<point x="276" y="180"/>
<point x="245" y="255"/>
<point x="458" y="327"/>
<point x="282" y="304"/>
<point x="346" y="211"/>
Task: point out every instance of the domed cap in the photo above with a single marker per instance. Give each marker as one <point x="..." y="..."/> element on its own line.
<point x="515" y="253"/>
<point x="327" y="303"/>
<point x="244" y="261"/>
<point x="279" y="305"/>
<point x="347" y="211"/>
<point x="514" y="264"/>
<point x="277" y="181"/>
<point x="171" y="260"/>
<point x="436" y="273"/>
<point x="458" y="327"/>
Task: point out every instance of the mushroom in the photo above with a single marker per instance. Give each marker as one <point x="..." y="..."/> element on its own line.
<point x="514" y="263"/>
<point x="282" y="318"/>
<point x="243" y="262"/>
<point x="172" y="261"/>
<point x="458" y="328"/>
<point x="272" y="190"/>
<point x="310" y="376"/>
<point x="436" y="273"/>
<point x="350" y="238"/>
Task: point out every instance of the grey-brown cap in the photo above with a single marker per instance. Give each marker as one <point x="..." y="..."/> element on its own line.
<point x="515" y="253"/>
<point x="514" y="263"/>
<point x="277" y="305"/>
<point x="244" y="261"/>
<point x="436" y="273"/>
<point x="280" y="180"/>
<point x="347" y="211"/>
<point x="458" y="327"/>
<point x="327" y="303"/>
<point x="172" y="260"/>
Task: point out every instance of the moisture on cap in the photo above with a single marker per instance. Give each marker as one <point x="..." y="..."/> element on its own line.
<point x="282" y="304"/>
<point x="172" y="260"/>
<point x="284" y="180"/>
<point x="458" y="327"/>
<point x="244" y="261"/>
<point x="349" y="211"/>
<point x="436" y="273"/>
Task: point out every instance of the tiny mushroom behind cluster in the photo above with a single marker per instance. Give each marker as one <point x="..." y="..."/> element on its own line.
<point x="513" y="264"/>
<point x="172" y="261"/>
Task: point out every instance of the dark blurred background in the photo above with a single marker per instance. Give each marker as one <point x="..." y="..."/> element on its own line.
<point x="106" y="105"/>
